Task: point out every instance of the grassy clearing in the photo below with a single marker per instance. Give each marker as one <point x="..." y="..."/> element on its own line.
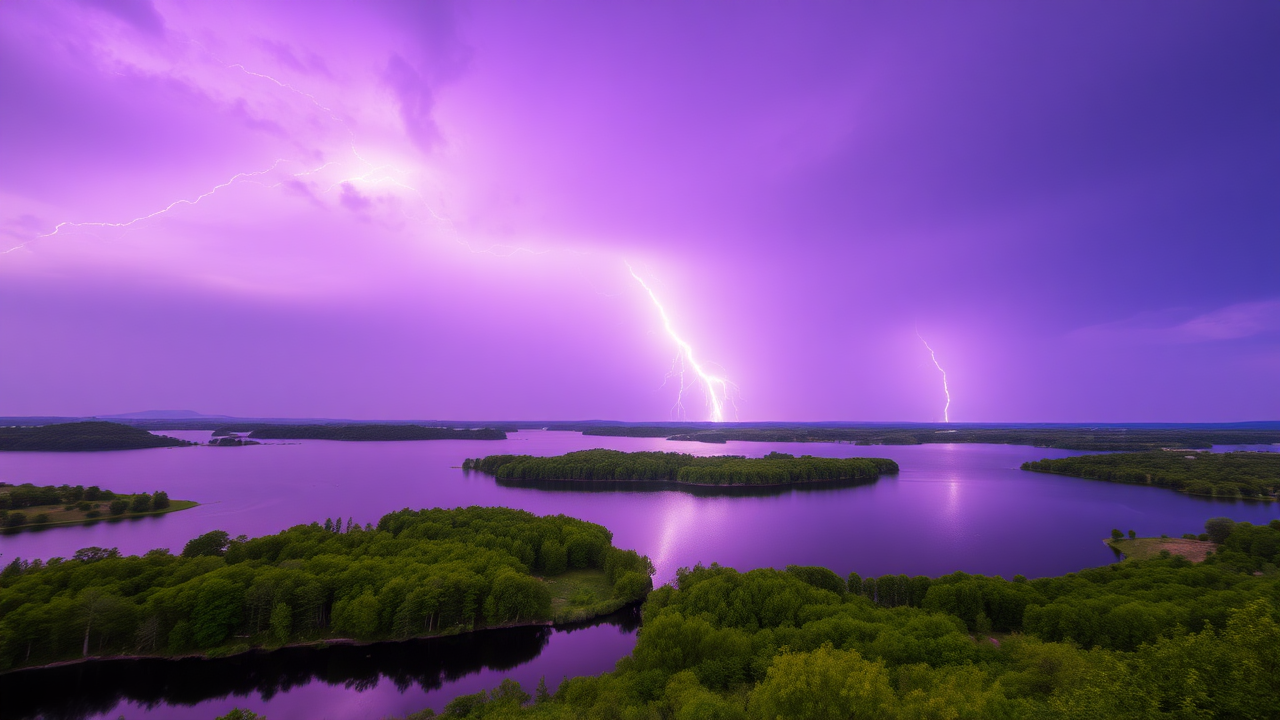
<point x="581" y="594"/>
<point x="577" y="589"/>
<point x="1145" y="548"/>
<point x="59" y="515"/>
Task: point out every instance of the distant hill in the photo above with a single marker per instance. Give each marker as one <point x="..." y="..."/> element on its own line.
<point x="163" y="415"/>
<point x="78" y="436"/>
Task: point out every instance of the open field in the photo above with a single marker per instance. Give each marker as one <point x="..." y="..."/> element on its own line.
<point x="1147" y="548"/>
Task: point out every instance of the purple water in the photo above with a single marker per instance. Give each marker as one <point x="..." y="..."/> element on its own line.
<point x="952" y="507"/>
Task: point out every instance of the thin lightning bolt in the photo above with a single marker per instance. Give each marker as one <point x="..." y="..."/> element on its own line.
<point x="234" y="179"/>
<point x="710" y="382"/>
<point x="945" y="417"/>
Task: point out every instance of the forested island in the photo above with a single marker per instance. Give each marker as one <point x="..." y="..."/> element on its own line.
<point x="80" y="436"/>
<point x="1159" y="638"/>
<point x="1251" y="475"/>
<point x="35" y="506"/>
<point x="362" y="432"/>
<point x="231" y="441"/>
<point x="680" y="468"/>
<point x="416" y="573"/>
<point x="1104" y="438"/>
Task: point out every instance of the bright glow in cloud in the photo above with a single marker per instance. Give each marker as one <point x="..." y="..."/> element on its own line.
<point x="716" y="388"/>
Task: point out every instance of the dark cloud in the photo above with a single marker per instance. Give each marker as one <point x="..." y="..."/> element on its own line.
<point x="434" y="56"/>
<point x="416" y="102"/>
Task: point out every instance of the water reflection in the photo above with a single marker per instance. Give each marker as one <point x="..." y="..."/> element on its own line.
<point x="280" y="679"/>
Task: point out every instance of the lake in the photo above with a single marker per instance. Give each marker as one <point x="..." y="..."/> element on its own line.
<point x="952" y="507"/>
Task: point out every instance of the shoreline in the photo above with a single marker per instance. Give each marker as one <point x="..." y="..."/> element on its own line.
<point x="322" y="644"/>
<point x="29" y="525"/>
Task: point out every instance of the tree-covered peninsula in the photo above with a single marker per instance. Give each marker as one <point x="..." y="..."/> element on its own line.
<point x="682" y="468"/>
<point x="369" y="432"/>
<point x="1253" y="475"/>
<point x="37" y="506"/>
<point x="416" y="573"/>
<point x="78" y="436"/>
<point x="1138" y="640"/>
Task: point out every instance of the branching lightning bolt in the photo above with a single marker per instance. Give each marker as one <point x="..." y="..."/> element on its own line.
<point x="717" y="388"/>
<point x="68" y="224"/>
<point x="945" y="416"/>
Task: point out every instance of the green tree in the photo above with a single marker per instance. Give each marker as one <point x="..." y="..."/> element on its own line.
<point x="241" y="714"/>
<point x="1133" y="534"/>
<point x="217" y="612"/>
<point x="118" y="506"/>
<point x="1219" y="528"/>
<point x="554" y="558"/>
<point x="1116" y="534"/>
<point x="211" y="543"/>
<point x="541" y="694"/>
<point x="825" y="684"/>
<point x="281" y="622"/>
<point x="141" y="503"/>
<point x="160" y="500"/>
<point x="356" y="617"/>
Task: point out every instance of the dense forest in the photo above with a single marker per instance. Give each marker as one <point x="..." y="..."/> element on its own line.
<point x="416" y="573"/>
<point x="1160" y="638"/>
<point x="1226" y="475"/>
<point x="30" y="505"/>
<point x="68" y="437"/>
<point x="370" y="432"/>
<point x="613" y="465"/>
<point x="1106" y="438"/>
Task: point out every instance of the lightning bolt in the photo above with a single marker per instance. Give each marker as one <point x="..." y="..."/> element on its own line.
<point x="716" y="388"/>
<point x="176" y="203"/>
<point x="945" y="417"/>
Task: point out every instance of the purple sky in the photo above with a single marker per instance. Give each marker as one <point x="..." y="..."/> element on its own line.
<point x="426" y="210"/>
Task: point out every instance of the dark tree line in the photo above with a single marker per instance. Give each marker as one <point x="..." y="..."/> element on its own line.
<point x="612" y="465"/>
<point x="416" y="573"/>
<point x="371" y="432"/>
<point x="67" y="437"/>
<point x="1226" y="475"/>
<point x="1065" y="437"/>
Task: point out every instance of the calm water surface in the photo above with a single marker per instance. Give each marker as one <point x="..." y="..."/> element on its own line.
<point x="952" y="507"/>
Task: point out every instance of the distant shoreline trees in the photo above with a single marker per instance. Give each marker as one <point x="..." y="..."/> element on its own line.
<point x="370" y="432"/>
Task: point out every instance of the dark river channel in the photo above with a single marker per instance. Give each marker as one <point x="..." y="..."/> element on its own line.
<point x="952" y="507"/>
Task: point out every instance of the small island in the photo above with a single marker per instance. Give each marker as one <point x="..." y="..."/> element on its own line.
<point x="232" y="441"/>
<point x="362" y="432"/>
<point x="37" y="506"/>
<point x="1248" y="475"/>
<point x="82" y="436"/>
<point x="616" y="466"/>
